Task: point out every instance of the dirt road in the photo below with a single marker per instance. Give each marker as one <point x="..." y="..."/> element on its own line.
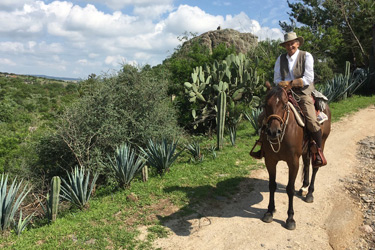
<point x="331" y="222"/>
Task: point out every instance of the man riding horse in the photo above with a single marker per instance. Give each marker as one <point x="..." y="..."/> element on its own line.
<point x="295" y="70"/>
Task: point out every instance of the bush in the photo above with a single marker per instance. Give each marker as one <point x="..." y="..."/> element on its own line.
<point x="77" y="189"/>
<point x="161" y="154"/>
<point x="126" y="165"/>
<point x="10" y="201"/>
<point x="129" y="107"/>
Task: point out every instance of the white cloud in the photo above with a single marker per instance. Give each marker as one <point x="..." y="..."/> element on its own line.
<point x="152" y="11"/>
<point x="13" y="4"/>
<point x="61" y="37"/>
<point x="119" y="4"/>
<point x="191" y="19"/>
<point x="6" y="61"/>
<point x="30" y="47"/>
<point x="115" y="60"/>
<point x="82" y="61"/>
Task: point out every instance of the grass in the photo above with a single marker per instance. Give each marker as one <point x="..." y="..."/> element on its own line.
<point x="113" y="220"/>
<point x="350" y="105"/>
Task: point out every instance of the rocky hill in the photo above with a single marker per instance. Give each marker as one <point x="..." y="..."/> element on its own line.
<point x="243" y="42"/>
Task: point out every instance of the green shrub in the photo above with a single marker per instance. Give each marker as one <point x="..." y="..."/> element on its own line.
<point x="126" y="165"/>
<point x="194" y="149"/>
<point x="77" y="189"/>
<point x="22" y="223"/>
<point x="128" y="107"/>
<point x="161" y="155"/>
<point x="8" y="202"/>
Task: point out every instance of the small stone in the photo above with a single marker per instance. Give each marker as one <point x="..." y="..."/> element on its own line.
<point x="132" y="197"/>
<point x="366" y="199"/>
<point x="367" y="229"/>
<point x="90" y="242"/>
<point x="220" y="198"/>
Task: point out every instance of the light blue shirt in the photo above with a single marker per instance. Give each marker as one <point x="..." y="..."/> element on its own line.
<point x="308" y="76"/>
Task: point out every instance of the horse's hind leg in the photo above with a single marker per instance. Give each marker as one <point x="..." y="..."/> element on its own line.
<point x="271" y="168"/>
<point x="309" y="197"/>
<point x="305" y="175"/>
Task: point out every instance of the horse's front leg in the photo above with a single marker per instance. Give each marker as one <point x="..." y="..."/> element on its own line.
<point x="293" y="170"/>
<point x="271" y="168"/>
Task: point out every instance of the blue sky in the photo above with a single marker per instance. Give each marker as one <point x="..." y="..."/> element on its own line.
<point x="74" y="38"/>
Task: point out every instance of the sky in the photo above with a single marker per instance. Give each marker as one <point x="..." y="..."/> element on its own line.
<point x="75" y="38"/>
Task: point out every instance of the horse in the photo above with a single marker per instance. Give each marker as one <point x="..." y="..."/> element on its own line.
<point x="286" y="140"/>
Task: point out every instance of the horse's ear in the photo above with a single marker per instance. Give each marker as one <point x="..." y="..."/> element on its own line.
<point x="268" y="85"/>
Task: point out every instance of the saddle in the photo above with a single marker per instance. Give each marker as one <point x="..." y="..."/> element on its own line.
<point x="319" y="102"/>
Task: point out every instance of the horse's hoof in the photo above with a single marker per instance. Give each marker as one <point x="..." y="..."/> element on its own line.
<point x="303" y="192"/>
<point x="309" y="199"/>
<point x="290" y="224"/>
<point x="267" y="217"/>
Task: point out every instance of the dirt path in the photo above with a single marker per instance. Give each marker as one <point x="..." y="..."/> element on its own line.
<point x="331" y="222"/>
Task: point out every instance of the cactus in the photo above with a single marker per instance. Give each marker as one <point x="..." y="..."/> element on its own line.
<point x="241" y="82"/>
<point x="221" y="109"/>
<point x="53" y="198"/>
<point x="347" y="78"/>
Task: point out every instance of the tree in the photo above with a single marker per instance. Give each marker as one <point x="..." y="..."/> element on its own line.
<point x="130" y="107"/>
<point x="344" y="29"/>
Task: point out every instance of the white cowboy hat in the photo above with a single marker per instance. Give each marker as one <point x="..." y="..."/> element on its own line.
<point x="292" y="36"/>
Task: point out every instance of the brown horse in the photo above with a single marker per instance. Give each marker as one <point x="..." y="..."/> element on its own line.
<point x="285" y="140"/>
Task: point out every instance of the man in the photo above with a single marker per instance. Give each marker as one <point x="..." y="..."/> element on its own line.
<point x="295" y="70"/>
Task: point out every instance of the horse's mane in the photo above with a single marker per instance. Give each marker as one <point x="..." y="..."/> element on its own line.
<point x="277" y="90"/>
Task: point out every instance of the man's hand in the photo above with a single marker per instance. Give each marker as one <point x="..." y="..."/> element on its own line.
<point x="297" y="83"/>
<point x="285" y="84"/>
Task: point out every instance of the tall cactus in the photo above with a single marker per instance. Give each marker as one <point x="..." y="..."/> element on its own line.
<point x="54" y="197"/>
<point x="347" y="78"/>
<point x="221" y="111"/>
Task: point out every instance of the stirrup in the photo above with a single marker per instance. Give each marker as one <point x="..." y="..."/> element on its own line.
<point x="318" y="159"/>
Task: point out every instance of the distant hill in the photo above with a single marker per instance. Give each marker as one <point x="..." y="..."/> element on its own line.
<point x="58" y="78"/>
<point x="6" y="74"/>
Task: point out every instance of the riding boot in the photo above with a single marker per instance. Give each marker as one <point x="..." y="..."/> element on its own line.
<point x="258" y="154"/>
<point x="318" y="158"/>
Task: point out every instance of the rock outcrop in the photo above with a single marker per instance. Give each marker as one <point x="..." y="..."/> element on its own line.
<point x="242" y="42"/>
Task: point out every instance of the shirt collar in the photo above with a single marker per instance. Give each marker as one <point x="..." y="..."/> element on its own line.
<point x="294" y="56"/>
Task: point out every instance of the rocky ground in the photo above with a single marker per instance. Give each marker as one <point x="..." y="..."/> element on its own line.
<point x="362" y="187"/>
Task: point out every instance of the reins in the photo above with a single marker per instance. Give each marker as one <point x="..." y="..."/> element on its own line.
<point x="284" y="123"/>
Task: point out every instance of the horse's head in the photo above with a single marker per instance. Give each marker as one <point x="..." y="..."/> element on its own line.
<point x="275" y="110"/>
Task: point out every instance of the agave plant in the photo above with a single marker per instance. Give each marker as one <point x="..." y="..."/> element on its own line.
<point x="22" y="223"/>
<point x="77" y="189"/>
<point x="254" y="117"/>
<point x="161" y="155"/>
<point x="127" y="165"/>
<point x="8" y="202"/>
<point x="341" y="86"/>
<point x="195" y="150"/>
<point x="212" y="150"/>
<point x="233" y="135"/>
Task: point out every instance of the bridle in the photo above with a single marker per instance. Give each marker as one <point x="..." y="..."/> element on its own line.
<point x="284" y="123"/>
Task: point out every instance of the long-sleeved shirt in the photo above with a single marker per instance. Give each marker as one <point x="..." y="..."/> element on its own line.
<point x="308" y="76"/>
